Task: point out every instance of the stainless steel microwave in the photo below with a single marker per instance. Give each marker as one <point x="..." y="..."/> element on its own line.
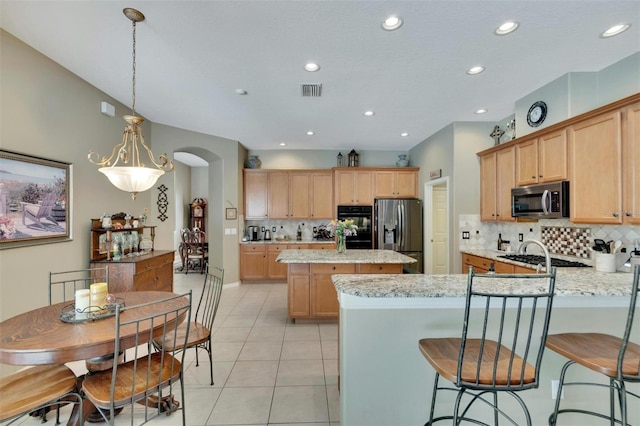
<point x="544" y="201"/>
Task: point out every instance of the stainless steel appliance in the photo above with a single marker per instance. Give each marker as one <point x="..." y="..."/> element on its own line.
<point x="547" y="200"/>
<point x="362" y="217"/>
<point x="253" y="233"/>
<point x="398" y="227"/>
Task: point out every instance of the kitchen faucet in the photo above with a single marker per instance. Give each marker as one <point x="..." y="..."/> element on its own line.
<point x="523" y="248"/>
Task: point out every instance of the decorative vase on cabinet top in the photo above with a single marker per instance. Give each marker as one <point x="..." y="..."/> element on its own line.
<point x="253" y="162"/>
<point x="402" y="161"/>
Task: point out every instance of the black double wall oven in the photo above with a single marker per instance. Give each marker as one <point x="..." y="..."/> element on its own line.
<point x="362" y="217"/>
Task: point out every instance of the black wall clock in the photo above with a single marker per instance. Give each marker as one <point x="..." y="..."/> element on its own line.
<point x="537" y="113"/>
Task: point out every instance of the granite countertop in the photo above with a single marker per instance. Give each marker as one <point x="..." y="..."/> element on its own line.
<point x="351" y="256"/>
<point x="569" y="282"/>
<point x="289" y="242"/>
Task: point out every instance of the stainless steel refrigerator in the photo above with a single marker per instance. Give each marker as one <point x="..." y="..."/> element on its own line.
<point x="398" y="227"/>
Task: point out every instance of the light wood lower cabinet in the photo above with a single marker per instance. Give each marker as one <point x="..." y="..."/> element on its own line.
<point x="311" y="290"/>
<point x="481" y="265"/>
<point x="150" y="272"/>
<point x="258" y="261"/>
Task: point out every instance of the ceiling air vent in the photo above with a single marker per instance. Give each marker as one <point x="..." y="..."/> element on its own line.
<point x="311" y="89"/>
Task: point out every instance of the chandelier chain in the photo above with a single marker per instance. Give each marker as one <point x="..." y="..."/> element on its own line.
<point x="133" y="80"/>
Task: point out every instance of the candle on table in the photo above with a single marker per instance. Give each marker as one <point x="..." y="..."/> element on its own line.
<point x="83" y="300"/>
<point x="98" y="295"/>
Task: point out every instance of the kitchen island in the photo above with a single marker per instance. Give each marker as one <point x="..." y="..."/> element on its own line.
<point x="311" y="293"/>
<point x="385" y="380"/>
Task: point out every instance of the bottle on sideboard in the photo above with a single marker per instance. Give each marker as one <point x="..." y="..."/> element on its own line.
<point x="499" y="241"/>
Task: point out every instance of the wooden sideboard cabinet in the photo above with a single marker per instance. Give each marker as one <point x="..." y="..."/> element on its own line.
<point x="152" y="271"/>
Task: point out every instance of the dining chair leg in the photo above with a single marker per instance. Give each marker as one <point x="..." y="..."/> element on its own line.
<point x="433" y="400"/>
<point x="208" y="347"/>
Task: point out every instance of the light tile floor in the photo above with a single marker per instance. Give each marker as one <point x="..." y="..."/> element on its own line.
<point x="267" y="370"/>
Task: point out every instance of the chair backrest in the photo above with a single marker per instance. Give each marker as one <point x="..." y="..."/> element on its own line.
<point x="629" y="366"/>
<point x="153" y="369"/>
<point x="505" y="315"/>
<point x="63" y="285"/>
<point x="47" y="205"/>
<point x="210" y="297"/>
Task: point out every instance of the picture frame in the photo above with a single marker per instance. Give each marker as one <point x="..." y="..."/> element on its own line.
<point x="231" y="213"/>
<point x="35" y="200"/>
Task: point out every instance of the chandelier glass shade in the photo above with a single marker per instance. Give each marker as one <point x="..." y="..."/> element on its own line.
<point x="124" y="167"/>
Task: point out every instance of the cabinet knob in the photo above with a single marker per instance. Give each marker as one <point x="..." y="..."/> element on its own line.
<point x="533" y="177"/>
<point x="334" y="268"/>
<point x="540" y="176"/>
<point x="616" y="214"/>
<point x="628" y="214"/>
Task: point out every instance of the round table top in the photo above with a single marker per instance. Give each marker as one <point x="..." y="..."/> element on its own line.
<point x="41" y="337"/>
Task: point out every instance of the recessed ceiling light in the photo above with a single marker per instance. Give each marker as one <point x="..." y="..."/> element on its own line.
<point x="310" y="133"/>
<point x="615" y="30"/>
<point x="241" y="92"/>
<point x="368" y="113"/>
<point x="480" y="111"/>
<point x="311" y="67"/>
<point x="404" y="134"/>
<point x="283" y="144"/>
<point x="392" y="23"/>
<point x="475" y="70"/>
<point x="506" y="28"/>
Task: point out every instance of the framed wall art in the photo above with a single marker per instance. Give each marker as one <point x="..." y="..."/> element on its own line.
<point x="231" y="213"/>
<point x="35" y="200"/>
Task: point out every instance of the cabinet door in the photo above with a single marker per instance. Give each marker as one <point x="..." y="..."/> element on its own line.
<point x="406" y="183"/>
<point x="488" y="187"/>
<point x="505" y="180"/>
<point x="384" y="183"/>
<point x="278" y="195"/>
<point x="527" y="162"/>
<point x="253" y="262"/>
<point x="631" y="152"/>
<point x="552" y="157"/>
<point x="324" y="297"/>
<point x="344" y="188"/>
<point x="300" y="195"/>
<point x="595" y="155"/>
<point x="299" y="295"/>
<point x="363" y="188"/>
<point x="322" y="196"/>
<point x="255" y="194"/>
<point x="276" y="270"/>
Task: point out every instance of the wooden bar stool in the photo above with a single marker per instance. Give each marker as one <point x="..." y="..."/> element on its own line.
<point x="616" y="358"/>
<point x="505" y="324"/>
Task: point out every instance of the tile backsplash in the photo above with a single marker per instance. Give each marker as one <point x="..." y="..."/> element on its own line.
<point x="560" y="236"/>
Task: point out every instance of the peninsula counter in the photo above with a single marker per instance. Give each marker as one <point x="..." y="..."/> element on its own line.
<point x="385" y="380"/>
<point x="311" y="293"/>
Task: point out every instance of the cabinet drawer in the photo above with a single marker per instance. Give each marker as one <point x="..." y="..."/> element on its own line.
<point x="276" y="247"/>
<point x="252" y="248"/>
<point x="370" y="268"/>
<point x="298" y="246"/>
<point x="323" y="246"/>
<point x="333" y="268"/>
<point x="302" y="268"/>
<point x="476" y="261"/>
<point x="155" y="262"/>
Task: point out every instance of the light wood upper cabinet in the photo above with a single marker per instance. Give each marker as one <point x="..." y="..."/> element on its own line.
<point x="543" y="159"/>
<point x="497" y="177"/>
<point x="278" y="195"/>
<point x="595" y="158"/>
<point x="396" y="183"/>
<point x="255" y="194"/>
<point x="321" y="202"/>
<point x="631" y="155"/>
<point x="299" y="195"/>
<point x="353" y="187"/>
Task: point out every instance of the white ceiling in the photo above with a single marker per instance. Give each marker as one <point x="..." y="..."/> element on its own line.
<point x="193" y="55"/>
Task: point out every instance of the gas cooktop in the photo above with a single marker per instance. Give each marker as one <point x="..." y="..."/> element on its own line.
<point x="534" y="259"/>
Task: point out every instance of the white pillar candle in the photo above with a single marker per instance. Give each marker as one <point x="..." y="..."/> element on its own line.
<point x="98" y="296"/>
<point x="83" y="300"/>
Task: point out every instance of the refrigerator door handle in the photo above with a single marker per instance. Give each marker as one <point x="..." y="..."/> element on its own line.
<point x="401" y="224"/>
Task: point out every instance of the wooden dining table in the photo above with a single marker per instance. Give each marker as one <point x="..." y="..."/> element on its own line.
<point x="40" y="336"/>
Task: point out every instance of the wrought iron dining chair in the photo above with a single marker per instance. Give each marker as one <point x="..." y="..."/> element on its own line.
<point x="36" y="390"/>
<point x="149" y="373"/>
<point x="200" y="328"/>
<point x="63" y="285"/>
<point x="504" y="328"/>
<point x="616" y="358"/>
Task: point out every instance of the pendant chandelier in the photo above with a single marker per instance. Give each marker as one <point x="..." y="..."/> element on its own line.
<point x="123" y="167"/>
